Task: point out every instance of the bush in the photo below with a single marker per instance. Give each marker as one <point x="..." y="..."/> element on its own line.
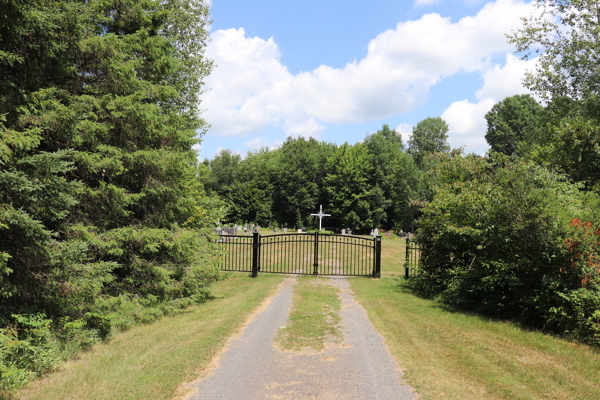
<point x="499" y="239"/>
<point x="27" y="349"/>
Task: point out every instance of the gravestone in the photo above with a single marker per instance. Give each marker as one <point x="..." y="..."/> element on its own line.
<point x="343" y="231"/>
<point x="376" y="232"/>
<point x="389" y="234"/>
<point x="299" y="230"/>
<point x="371" y="234"/>
<point x="349" y="231"/>
<point x="284" y="230"/>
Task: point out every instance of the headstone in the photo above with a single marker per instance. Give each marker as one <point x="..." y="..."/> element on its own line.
<point x="389" y="234"/>
<point x="284" y="230"/>
<point x="299" y="230"/>
<point x="376" y="232"/>
<point x="219" y="230"/>
<point x="304" y="229"/>
<point x="371" y="234"/>
<point x="343" y="231"/>
<point x="349" y="231"/>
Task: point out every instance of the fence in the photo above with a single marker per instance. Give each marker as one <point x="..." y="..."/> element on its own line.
<point x="412" y="258"/>
<point x="302" y="253"/>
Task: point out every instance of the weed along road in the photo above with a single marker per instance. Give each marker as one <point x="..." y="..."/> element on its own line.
<point x="350" y="363"/>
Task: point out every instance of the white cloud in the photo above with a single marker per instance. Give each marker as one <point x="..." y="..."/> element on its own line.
<point x="309" y="128"/>
<point x="405" y="130"/>
<point x="467" y="124"/>
<point x="252" y="89"/>
<point x="503" y="81"/>
<point x="419" y="3"/>
<point x="260" y="142"/>
<point x="466" y="120"/>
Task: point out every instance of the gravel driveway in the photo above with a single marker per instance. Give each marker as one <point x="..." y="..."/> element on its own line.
<point x="358" y="367"/>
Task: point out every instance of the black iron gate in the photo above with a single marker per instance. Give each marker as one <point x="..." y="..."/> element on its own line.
<point x="412" y="258"/>
<point x="302" y="253"/>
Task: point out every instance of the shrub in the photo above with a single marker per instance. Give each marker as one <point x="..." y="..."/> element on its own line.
<point x="499" y="239"/>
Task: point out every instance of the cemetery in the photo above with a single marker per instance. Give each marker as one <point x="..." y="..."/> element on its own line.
<point x="198" y="202"/>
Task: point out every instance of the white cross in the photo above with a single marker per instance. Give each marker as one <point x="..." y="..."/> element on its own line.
<point x="321" y="215"/>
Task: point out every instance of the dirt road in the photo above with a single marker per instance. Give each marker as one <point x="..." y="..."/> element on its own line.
<point x="252" y="368"/>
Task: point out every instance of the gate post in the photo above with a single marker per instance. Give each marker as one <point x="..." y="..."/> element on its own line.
<point x="316" y="260"/>
<point x="255" y="253"/>
<point x="377" y="270"/>
<point x="406" y="258"/>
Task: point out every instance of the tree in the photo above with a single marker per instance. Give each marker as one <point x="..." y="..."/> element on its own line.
<point x="393" y="180"/>
<point x="514" y="240"/>
<point x="301" y="167"/>
<point x="428" y="136"/>
<point x="347" y="184"/>
<point x="568" y="32"/>
<point x="250" y="197"/>
<point x="224" y="169"/>
<point x="100" y="191"/>
<point x="567" y="78"/>
<point x="513" y="122"/>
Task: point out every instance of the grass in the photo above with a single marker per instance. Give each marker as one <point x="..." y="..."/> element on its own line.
<point x="314" y="318"/>
<point x="452" y="355"/>
<point x="152" y="361"/>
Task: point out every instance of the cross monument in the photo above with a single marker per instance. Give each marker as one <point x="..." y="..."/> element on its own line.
<point x="321" y="215"/>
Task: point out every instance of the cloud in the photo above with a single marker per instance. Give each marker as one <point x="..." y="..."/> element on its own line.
<point x="260" y="142"/>
<point x="309" y="128"/>
<point x="251" y="89"/>
<point x="466" y="120"/>
<point x="503" y="81"/>
<point x="420" y="3"/>
<point x="405" y="130"/>
<point x="467" y="124"/>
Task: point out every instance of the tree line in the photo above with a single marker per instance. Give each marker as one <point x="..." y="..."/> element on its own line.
<point x="375" y="183"/>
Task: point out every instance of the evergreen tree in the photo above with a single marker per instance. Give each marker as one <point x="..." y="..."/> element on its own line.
<point x="100" y="192"/>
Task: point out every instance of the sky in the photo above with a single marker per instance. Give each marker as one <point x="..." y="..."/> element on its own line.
<point x="338" y="70"/>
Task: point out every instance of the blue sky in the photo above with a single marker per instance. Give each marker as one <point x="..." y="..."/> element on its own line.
<point x="338" y="70"/>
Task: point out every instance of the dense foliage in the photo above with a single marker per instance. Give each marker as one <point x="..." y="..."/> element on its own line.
<point x="514" y="240"/>
<point x="519" y="237"/>
<point x="102" y="203"/>
<point x="364" y="186"/>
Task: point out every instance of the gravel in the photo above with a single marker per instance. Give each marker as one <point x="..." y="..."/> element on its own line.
<point x="358" y="367"/>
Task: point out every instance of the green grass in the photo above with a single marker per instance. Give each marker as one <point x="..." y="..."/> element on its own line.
<point x="152" y="361"/>
<point x="447" y="354"/>
<point x="314" y="318"/>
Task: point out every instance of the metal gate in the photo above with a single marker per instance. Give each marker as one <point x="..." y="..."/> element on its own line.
<point x="412" y="258"/>
<point x="302" y="253"/>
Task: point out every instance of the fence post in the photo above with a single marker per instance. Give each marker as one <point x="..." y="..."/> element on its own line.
<point x="316" y="260"/>
<point x="406" y="259"/>
<point x="377" y="271"/>
<point x="255" y="253"/>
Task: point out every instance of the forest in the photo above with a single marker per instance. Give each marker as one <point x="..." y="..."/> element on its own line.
<point x="107" y="215"/>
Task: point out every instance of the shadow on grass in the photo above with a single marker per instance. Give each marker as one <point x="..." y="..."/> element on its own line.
<point x="403" y="286"/>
